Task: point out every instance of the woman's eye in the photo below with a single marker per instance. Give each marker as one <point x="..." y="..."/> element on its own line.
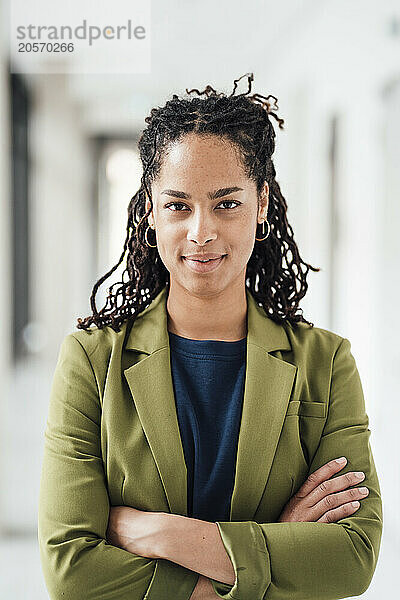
<point x="177" y="204"/>
<point x="231" y="202"/>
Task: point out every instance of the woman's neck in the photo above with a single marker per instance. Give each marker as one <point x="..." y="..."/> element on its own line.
<point x="219" y="317"/>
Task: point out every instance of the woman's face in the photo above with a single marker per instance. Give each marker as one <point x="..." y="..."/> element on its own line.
<point x="203" y="203"/>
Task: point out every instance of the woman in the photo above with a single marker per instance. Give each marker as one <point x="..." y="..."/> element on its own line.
<point x="192" y="432"/>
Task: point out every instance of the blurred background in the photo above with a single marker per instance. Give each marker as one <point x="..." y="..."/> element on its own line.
<point x="69" y="166"/>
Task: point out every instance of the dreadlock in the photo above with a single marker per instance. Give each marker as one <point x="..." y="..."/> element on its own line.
<point x="275" y="264"/>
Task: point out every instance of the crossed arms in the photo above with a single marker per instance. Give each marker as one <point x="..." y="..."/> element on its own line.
<point x="271" y="561"/>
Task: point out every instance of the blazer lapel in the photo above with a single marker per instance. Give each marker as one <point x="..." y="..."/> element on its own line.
<point x="268" y="385"/>
<point x="150" y="382"/>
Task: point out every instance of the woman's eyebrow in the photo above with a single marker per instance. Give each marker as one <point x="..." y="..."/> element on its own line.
<point x="212" y="195"/>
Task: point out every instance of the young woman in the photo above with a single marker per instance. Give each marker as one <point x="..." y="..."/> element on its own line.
<point x="193" y="431"/>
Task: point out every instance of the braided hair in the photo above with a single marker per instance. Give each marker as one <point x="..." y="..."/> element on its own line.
<point x="275" y="265"/>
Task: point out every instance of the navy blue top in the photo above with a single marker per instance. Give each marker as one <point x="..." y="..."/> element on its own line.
<point x="208" y="378"/>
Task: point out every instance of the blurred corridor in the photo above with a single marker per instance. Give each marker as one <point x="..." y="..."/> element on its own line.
<point x="69" y="166"/>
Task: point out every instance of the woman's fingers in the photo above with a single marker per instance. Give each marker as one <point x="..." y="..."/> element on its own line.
<point x="331" y="498"/>
<point x="319" y="476"/>
<point x="335" y="485"/>
<point x="331" y="502"/>
<point x="325" y="498"/>
<point x="341" y="512"/>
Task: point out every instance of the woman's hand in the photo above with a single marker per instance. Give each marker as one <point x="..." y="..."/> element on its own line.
<point x="321" y="499"/>
<point x="136" y="531"/>
<point x="203" y="590"/>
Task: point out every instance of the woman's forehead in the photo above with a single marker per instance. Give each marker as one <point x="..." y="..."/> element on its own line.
<point x="199" y="158"/>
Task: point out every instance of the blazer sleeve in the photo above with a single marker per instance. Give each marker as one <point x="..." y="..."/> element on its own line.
<point x="73" y="510"/>
<point x="311" y="560"/>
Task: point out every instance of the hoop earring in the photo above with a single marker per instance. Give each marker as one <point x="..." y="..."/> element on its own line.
<point x="145" y="237"/>
<point x="269" y="230"/>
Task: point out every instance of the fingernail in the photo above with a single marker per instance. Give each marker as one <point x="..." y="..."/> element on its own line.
<point x="355" y="503"/>
<point x="341" y="460"/>
<point x="359" y="474"/>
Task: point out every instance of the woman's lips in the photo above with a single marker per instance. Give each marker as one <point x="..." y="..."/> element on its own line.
<point x="204" y="267"/>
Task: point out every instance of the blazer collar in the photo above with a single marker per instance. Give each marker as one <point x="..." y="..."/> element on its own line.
<point x="268" y="385"/>
<point x="150" y="332"/>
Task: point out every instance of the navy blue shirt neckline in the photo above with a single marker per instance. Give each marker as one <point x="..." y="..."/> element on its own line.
<point x="207" y="347"/>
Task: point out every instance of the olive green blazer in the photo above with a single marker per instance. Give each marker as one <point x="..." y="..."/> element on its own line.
<point x="112" y="438"/>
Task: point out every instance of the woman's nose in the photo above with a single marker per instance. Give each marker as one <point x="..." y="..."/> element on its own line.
<point x="201" y="231"/>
